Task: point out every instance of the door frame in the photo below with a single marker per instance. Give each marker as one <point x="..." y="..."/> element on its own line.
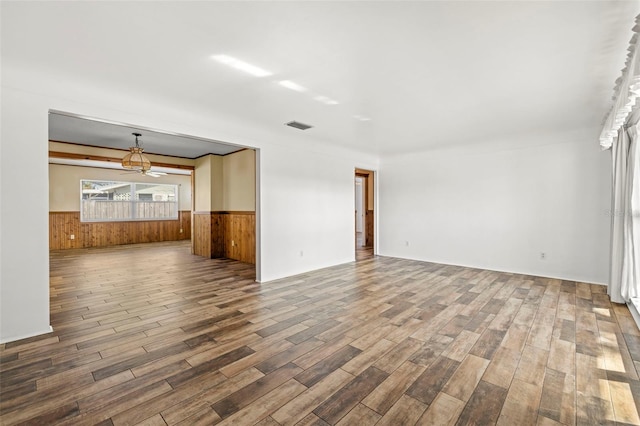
<point x="369" y="180"/>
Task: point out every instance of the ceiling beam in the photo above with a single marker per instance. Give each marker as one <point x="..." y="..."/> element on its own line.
<point x="75" y="156"/>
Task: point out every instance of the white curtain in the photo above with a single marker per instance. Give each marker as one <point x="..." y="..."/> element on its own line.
<point x="625" y="92"/>
<point x="624" y="282"/>
<point x="620" y="133"/>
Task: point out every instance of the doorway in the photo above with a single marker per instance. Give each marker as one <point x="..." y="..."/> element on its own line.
<point x="91" y="149"/>
<point x="364" y="213"/>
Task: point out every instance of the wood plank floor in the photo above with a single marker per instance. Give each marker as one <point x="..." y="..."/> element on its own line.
<point x="151" y="335"/>
<point x="364" y="253"/>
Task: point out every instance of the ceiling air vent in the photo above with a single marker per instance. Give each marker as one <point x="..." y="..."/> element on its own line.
<point x="298" y="125"/>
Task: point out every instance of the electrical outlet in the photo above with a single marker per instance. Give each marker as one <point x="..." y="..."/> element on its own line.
<point x="72" y="237"/>
<point x="301" y="253"/>
<point x="543" y="255"/>
<point x="233" y="243"/>
<point x="406" y="243"/>
<point x="181" y="231"/>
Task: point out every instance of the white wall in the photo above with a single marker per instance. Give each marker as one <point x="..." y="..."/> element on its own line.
<point x="305" y="189"/>
<point x="496" y="207"/>
<point x="307" y="208"/>
<point x="499" y="206"/>
<point x="24" y="226"/>
<point x="64" y="184"/>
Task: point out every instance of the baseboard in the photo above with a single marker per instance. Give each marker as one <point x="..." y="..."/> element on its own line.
<point x="305" y="271"/>
<point x="493" y="268"/>
<point x="26" y="336"/>
<point x="634" y="308"/>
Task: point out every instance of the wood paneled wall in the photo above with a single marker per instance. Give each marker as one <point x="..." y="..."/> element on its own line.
<point x="368" y="242"/>
<point x="217" y="235"/>
<point x="240" y="236"/>
<point x="202" y="240"/>
<point x="62" y="225"/>
<point x="225" y="234"/>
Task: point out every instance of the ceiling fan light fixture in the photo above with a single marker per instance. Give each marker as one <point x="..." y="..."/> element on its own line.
<point x="135" y="159"/>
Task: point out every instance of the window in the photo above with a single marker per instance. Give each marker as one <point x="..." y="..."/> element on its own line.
<point x="106" y="201"/>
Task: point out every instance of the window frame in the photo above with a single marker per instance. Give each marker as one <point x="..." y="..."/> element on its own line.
<point x="133" y="202"/>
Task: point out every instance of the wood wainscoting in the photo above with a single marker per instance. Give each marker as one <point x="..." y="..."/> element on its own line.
<point x="240" y="236"/>
<point x="230" y="234"/>
<point x="64" y="225"/>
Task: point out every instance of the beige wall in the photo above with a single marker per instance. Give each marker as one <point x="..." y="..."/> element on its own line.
<point x="202" y="180"/>
<point x="64" y="184"/>
<point x="226" y="183"/>
<point x="239" y="181"/>
<point x="222" y="183"/>
<point x="208" y="183"/>
<point x="216" y="184"/>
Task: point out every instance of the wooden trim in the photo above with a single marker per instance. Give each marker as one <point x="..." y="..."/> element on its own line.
<point x="222" y="155"/>
<point x="93" y="166"/>
<point x="368" y="225"/>
<point x="94" y="146"/>
<point x="193" y="207"/>
<point x="225" y="212"/>
<point x="235" y="152"/>
<point x="238" y="212"/>
<point x="130" y="221"/>
<point x="91" y="157"/>
<point x="76" y="156"/>
<point x="154" y="220"/>
<point x="117" y="149"/>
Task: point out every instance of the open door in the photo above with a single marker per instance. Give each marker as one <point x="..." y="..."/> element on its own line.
<point x="364" y="213"/>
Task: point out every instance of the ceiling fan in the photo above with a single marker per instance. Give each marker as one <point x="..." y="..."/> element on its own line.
<point x="145" y="173"/>
<point x="151" y="173"/>
<point x="137" y="162"/>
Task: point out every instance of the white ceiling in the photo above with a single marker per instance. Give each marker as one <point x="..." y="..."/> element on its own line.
<point x="83" y="131"/>
<point x="426" y="73"/>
